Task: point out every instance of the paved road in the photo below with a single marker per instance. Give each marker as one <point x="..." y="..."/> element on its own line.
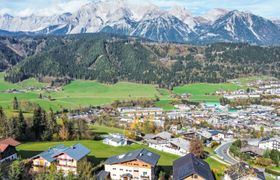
<point x="222" y="152"/>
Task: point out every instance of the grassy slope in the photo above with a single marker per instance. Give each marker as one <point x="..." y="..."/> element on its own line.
<point x="26" y="83"/>
<point x="99" y="151"/>
<point x="199" y="91"/>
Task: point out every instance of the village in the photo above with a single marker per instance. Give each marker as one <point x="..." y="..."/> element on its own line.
<point x="245" y="137"/>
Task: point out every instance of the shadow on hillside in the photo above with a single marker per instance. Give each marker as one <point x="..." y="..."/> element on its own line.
<point x="96" y="160"/>
<point x="166" y="169"/>
<point x="27" y="154"/>
<point x="100" y="133"/>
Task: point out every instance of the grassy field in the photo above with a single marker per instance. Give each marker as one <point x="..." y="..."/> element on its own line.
<point x="79" y="93"/>
<point x="99" y="151"/>
<point x="202" y="91"/>
<point x="27" y="83"/>
<point x="244" y="81"/>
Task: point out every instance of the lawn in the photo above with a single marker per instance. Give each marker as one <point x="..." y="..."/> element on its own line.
<point x="165" y="105"/>
<point x="104" y="129"/>
<point x="100" y="151"/>
<point x="217" y="167"/>
<point x="203" y="91"/>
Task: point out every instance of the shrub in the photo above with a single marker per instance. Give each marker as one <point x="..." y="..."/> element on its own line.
<point x="263" y="161"/>
<point x="271" y="171"/>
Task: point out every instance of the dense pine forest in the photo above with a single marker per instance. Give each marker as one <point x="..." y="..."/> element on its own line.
<point x="109" y="59"/>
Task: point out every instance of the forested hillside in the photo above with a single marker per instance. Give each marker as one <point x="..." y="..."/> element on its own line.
<point x="110" y="59"/>
<point x="14" y="50"/>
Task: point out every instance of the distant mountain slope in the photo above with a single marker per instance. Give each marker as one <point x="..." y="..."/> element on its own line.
<point x="149" y="21"/>
<point x="109" y="58"/>
<point x="237" y="26"/>
<point x="13" y="50"/>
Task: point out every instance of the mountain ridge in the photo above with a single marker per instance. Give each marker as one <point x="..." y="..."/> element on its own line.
<point x="149" y="21"/>
<point x="110" y="58"/>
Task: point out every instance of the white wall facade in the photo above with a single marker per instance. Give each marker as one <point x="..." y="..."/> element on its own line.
<point x="66" y="164"/>
<point x="117" y="170"/>
<point x="169" y="149"/>
<point x="270" y="144"/>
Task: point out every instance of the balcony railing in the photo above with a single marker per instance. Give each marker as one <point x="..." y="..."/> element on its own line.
<point x="146" y="177"/>
<point x="66" y="165"/>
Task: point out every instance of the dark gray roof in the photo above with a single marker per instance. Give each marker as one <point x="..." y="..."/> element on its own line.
<point x="260" y="174"/>
<point x="141" y="154"/>
<point x="254" y="149"/>
<point x="102" y="175"/>
<point x="189" y="165"/>
<point x="214" y="132"/>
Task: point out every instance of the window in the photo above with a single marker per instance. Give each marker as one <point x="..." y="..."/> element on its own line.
<point x="195" y="176"/>
<point x="121" y="169"/>
<point x="114" y="168"/>
<point x="145" y="173"/>
<point x="114" y="175"/>
<point x="136" y="170"/>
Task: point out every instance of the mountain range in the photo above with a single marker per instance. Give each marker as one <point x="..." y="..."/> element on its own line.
<point x="175" y="24"/>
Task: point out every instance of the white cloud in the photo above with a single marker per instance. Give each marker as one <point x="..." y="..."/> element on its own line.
<point x="44" y="7"/>
<point x="266" y="8"/>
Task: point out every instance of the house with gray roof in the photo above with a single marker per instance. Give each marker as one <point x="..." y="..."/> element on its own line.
<point x="44" y="160"/>
<point x="252" y="150"/>
<point x="191" y="167"/>
<point x="66" y="159"/>
<point x="164" y="142"/>
<point x="270" y="143"/>
<point x="115" y="140"/>
<point x="138" y="164"/>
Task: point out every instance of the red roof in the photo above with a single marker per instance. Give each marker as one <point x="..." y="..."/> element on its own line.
<point x="3" y="147"/>
<point x="9" y="141"/>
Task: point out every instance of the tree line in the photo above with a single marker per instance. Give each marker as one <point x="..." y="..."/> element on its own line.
<point x="42" y="126"/>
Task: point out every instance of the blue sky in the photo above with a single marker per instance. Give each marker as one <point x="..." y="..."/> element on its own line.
<point x="266" y="8"/>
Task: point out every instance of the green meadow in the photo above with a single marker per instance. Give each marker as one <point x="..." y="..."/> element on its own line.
<point x="81" y="93"/>
<point x="202" y="92"/>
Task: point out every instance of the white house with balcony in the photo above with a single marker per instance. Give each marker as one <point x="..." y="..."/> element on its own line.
<point x="270" y="143"/>
<point x="115" y="140"/>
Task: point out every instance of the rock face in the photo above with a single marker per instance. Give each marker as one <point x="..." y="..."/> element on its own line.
<point x="151" y="22"/>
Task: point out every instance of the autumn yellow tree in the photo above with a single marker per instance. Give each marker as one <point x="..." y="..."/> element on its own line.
<point x="64" y="133"/>
<point x="197" y="147"/>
